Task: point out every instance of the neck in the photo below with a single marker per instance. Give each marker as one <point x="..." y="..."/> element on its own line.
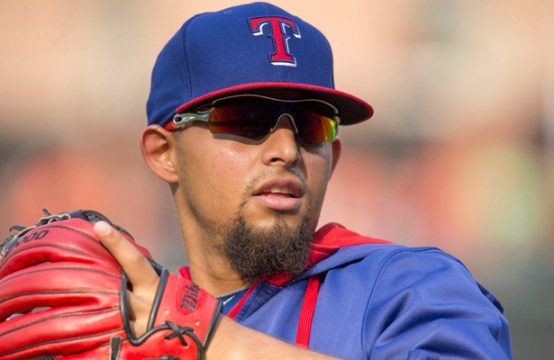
<point x="214" y="275"/>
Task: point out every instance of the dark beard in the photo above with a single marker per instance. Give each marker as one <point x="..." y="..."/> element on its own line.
<point x="255" y="253"/>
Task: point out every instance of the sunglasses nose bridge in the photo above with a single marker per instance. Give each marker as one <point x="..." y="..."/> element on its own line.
<point x="285" y="117"/>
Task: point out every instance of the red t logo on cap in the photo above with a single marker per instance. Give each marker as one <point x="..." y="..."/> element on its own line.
<point x="278" y="27"/>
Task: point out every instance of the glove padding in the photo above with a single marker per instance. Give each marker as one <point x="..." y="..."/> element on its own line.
<point x="62" y="294"/>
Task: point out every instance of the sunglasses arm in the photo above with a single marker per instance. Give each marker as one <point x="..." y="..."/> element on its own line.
<point x="184" y="119"/>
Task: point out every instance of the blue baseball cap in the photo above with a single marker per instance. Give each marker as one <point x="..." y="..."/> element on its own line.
<point x="255" y="48"/>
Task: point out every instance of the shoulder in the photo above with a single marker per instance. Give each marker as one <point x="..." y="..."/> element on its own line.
<point x="406" y="300"/>
<point x="424" y="296"/>
<point x="426" y="272"/>
<point x="411" y="299"/>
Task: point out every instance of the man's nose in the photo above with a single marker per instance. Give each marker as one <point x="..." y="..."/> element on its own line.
<point x="282" y="146"/>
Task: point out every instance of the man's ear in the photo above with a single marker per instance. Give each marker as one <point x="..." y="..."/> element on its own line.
<point x="159" y="151"/>
<point x="337" y="150"/>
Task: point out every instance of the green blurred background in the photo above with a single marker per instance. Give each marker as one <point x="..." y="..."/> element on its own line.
<point x="459" y="154"/>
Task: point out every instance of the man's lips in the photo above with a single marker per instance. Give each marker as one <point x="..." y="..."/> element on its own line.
<point x="283" y="194"/>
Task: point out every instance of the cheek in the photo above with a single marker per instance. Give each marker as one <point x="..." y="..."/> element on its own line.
<point x="232" y="162"/>
<point x="318" y="162"/>
<point x="215" y="185"/>
<point x="318" y="171"/>
<point x="230" y="168"/>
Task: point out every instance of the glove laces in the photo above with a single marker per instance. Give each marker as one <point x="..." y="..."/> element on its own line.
<point x="180" y="331"/>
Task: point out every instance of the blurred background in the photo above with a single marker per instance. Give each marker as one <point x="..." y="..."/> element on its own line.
<point x="459" y="154"/>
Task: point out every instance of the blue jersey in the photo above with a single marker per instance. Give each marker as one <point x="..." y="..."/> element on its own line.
<point x="363" y="298"/>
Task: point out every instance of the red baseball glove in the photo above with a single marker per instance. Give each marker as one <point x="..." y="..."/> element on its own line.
<point x="63" y="295"/>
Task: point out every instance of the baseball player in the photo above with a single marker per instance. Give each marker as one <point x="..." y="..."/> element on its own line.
<point x="243" y="119"/>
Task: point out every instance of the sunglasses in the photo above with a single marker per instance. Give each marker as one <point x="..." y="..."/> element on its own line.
<point x="251" y="118"/>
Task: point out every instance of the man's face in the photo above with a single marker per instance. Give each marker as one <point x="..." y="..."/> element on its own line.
<point x="259" y="201"/>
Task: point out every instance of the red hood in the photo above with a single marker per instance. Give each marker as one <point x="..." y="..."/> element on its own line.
<point x="327" y="240"/>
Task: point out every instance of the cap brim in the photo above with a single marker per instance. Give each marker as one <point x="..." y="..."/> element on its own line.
<point x="351" y="109"/>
